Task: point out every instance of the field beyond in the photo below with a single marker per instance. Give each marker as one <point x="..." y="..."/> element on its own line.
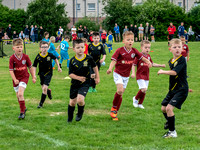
<point x="137" y="129"/>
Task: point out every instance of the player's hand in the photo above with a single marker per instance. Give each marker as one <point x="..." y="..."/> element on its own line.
<point x="92" y="76"/>
<point x="16" y="82"/>
<point x="133" y="76"/>
<point x="59" y="69"/>
<point x="56" y="49"/>
<point x="82" y="79"/>
<point x="101" y="61"/>
<point x="160" y="71"/>
<point x="149" y="64"/>
<point x="34" y="80"/>
<point x="163" y="65"/>
<point x="109" y="71"/>
<point x="97" y="80"/>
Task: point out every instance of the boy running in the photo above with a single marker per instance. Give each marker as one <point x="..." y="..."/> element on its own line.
<point x="110" y="41"/>
<point x="142" y="75"/>
<point x="18" y="70"/>
<point x="123" y="59"/>
<point x="178" y="86"/>
<point x="45" y="70"/>
<point x="79" y="71"/>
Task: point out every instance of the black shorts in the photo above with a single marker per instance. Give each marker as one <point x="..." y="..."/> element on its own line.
<point x="171" y="36"/>
<point x="45" y="79"/>
<point x="146" y="34"/>
<point x="103" y="41"/>
<point x="152" y="34"/>
<point x="136" y="35"/>
<point x="81" y="90"/>
<point x="175" y="98"/>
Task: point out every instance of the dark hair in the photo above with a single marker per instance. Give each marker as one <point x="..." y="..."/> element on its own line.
<point x="45" y="33"/>
<point x="67" y="37"/>
<point x="95" y="34"/>
<point x="77" y="41"/>
<point x="42" y="43"/>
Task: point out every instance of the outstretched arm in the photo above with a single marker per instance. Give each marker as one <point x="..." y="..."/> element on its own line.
<point x="167" y="72"/>
<point x="147" y="61"/>
<point x="158" y="65"/>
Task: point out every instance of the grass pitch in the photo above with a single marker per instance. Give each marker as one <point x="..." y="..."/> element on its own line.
<point x="47" y="128"/>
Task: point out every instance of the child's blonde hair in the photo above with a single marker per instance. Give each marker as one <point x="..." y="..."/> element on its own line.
<point x="143" y="42"/>
<point x="109" y="32"/>
<point x="17" y="42"/>
<point x="52" y="38"/>
<point x="175" y="41"/>
<point x="127" y="33"/>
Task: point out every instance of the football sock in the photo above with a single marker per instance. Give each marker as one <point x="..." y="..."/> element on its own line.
<point x="139" y="95"/>
<point x="68" y="63"/>
<point x="116" y="100"/>
<point x="93" y="84"/>
<point x="22" y="106"/>
<point x="43" y="97"/>
<point x="61" y="60"/>
<point x="119" y="104"/>
<point x="80" y="109"/>
<point x="165" y="115"/>
<point x="70" y="112"/>
<point x="142" y="98"/>
<point x="109" y="49"/>
<point x="171" y="121"/>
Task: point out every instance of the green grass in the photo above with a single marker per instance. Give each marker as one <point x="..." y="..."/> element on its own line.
<point x="47" y="128"/>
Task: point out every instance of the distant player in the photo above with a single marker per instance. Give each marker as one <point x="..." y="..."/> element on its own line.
<point x="142" y="75"/>
<point x="110" y="40"/>
<point x="96" y="50"/>
<point x="103" y="37"/>
<point x="123" y="59"/>
<point x="18" y="70"/>
<point x="185" y="52"/>
<point x="46" y="37"/>
<point x="79" y="71"/>
<point x="86" y="45"/>
<point x="44" y="59"/>
<point x="178" y="86"/>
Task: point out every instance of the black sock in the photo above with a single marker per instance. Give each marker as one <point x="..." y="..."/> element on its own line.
<point x="80" y="109"/>
<point x="171" y="121"/>
<point x="70" y="112"/>
<point x="165" y="115"/>
<point x="43" y="97"/>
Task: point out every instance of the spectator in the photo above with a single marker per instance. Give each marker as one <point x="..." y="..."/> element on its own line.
<point x="85" y="32"/>
<point x="15" y="36"/>
<point x="190" y="33"/>
<point x="80" y="32"/>
<point x="22" y="35"/>
<point x="58" y="38"/>
<point x="135" y="31"/>
<point x="6" y="37"/>
<point x="146" y="32"/>
<point x="117" y="32"/>
<point x="73" y="30"/>
<point x="181" y="29"/>
<point x="36" y="33"/>
<point x="152" y="32"/>
<point x="41" y="32"/>
<point x="26" y="32"/>
<point x="131" y="28"/>
<point x="32" y="34"/>
<point x="141" y="32"/>
<point x="61" y="31"/>
<point x="186" y="36"/>
<point x="171" y="29"/>
<point x="9" y="31"/>
<point x="100" y="32"/>
<point x="125" y="29"/>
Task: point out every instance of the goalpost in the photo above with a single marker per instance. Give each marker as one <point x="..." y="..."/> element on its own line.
<point x="6" y="48"/>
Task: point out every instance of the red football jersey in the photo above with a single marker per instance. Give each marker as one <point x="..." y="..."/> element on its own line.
<point x="86" y="49"/>
<point x="124" y="60"/>
<point x="185" y="50"/>
<point x="103" y="35"/>
<point x="74" y="36"/>
<point x="142" y="68"/>
<point x="19" y="66"/>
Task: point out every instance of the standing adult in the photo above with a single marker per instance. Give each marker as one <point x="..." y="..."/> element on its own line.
<point x="26" y="32"/>
<point x="190" y="33"/>
<point x="85" y="32"/>
<point x="22" y="35"/>
<point x="125" y="29"/>
<point x="61" y="31"/>
<point x="141" y="32"/>
<point x="152" y="32"/>
<point x="171" y="29"/>
<point x="73" y="29"/>
<point x="146" y="32"/>
<point x="117" y="33"/>
<point x="135" y="31"/>
<point x="9" y="31"/>
<point x="32" y="34"/>
<point x="131" y="28"/>
<point x="100" y="32"/>
<point x="181" y="29"/>
<point x="41" y="32"/>
<point x="36" y="33"/>
<point x="80" y="32"/>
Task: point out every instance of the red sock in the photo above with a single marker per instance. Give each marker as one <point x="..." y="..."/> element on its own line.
<point x="139" y="94"/>
<point x="22" y="106"/>
<point x="142" y="98"/>
<point x="116" y="100"/>
<point x="119" y="104"/>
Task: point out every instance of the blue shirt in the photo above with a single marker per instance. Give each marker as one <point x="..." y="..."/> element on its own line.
<point x="51" y="48"/>
<point x="116" y="29"/>
<point x="181" y="30"/>
<point x="64" y="46"/>
<point x="46" y="40"/>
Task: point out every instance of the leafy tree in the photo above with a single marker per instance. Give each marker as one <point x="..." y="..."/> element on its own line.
<point x="49" y="14"/>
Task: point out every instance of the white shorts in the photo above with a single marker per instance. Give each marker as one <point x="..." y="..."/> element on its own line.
<point x="22" y="84"/>
<point x="118" y="79"/>
<point x="143" y="83"/>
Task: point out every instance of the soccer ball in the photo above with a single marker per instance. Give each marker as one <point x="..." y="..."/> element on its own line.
<point x="103" y="63"/>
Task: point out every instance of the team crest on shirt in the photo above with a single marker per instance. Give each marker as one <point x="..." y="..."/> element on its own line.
<point x="148" y="58"/>
<point x="175" y="64"/>
<point x="123" y="62"/>
<point x="132" y="55"/>
<point x="85" y="64"/>
<point x="184" y="47"/>
<point x="48" y="58"/>
<point x="142" y="64"/>
<point x="23" y="62"/>
<point x="99" y="47"/>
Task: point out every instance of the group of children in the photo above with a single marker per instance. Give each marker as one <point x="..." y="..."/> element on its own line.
<point x="84" y="74"/>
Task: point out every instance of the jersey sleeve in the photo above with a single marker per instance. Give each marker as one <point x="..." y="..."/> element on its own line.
<point x="138" y="55"/>
<point x="103" y="50"/>
<point x="93" y="64"/>
<point x="89" y="48"/>
<point x="71" y="70"/>
<point x="52" y="56"/>
<point x="11" y="64"/>
<point x="180" y="65"/>
<point x="28" y="62"/>
<point x="36" y="61"/>
<point x="115" y="55"/>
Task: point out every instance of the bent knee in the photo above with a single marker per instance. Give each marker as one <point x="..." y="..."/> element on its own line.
<point x="120" y="92"/>
<point x="163" y="109"/>
<point x="144" y="90"/>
